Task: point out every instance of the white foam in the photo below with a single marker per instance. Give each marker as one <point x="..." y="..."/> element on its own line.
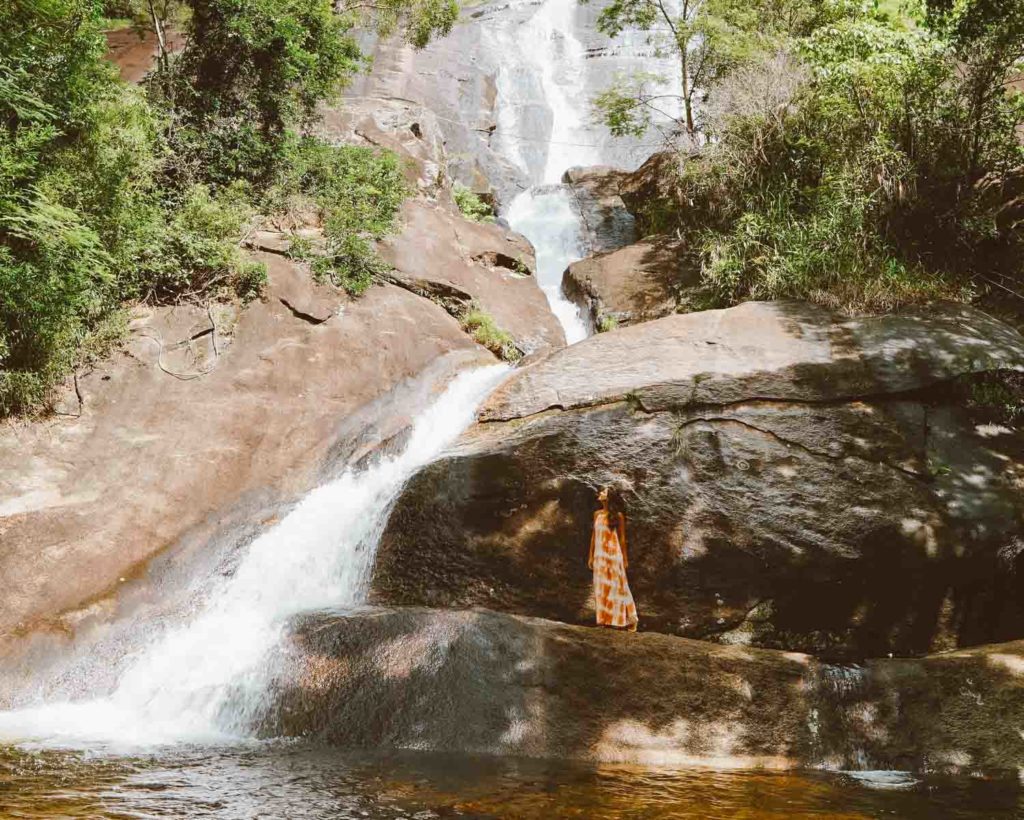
<point x="203" y="680"/>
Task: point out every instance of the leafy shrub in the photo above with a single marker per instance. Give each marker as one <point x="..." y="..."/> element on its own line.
<point x="358" y="192"/>
<point x="110" y="194"/>
<point x="471" y="205"/>
<point x="485" y="331"/>
<point x="872" y="167"/>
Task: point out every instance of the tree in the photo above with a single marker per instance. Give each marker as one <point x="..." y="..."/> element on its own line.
<point x="709" y="38"/>
<point x="251" y="72"/>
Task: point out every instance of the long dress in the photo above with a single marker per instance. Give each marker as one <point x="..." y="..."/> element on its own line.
<point x="613" y="601"/>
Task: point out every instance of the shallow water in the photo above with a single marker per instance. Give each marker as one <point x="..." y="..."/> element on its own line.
<point x="299" y="781"/>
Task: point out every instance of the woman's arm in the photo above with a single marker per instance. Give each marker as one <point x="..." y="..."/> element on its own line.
<point x="590" y="560"/>
<point x="622" y="539"/>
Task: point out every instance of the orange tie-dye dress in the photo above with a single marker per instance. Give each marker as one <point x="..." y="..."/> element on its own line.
<point x="613" y="601"/>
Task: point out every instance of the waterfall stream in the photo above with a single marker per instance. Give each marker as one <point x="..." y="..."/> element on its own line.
<point x="201" y="680"/>
<point x="545" y="81"/>
<point x="543" y="87"/>
<point x="203" y="677"/>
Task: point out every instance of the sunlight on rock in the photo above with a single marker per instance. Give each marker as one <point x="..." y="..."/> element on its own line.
<point x="1012" y="663"/>
<point x="922" y="533"/>
<point x="321" y="670"/>
<point x="424" y="651"/>
<point x="993" y="430"/>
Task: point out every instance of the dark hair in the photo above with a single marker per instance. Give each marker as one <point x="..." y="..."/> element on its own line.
<point x="615" y="501"/>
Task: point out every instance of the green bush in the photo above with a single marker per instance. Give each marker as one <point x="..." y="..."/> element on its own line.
<point x="85" y="222"/>
<point x="873" y="167"/>
<point x="471" y="205"/>
<point x="358" y="192"/>
<point x="110" y="194"/>
<point x="485" y="331"/>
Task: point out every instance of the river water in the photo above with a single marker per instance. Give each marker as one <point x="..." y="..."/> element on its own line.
<point x="297" y="781"/>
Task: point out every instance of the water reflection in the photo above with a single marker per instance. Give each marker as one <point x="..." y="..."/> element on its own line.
<point x="298" y="781"/>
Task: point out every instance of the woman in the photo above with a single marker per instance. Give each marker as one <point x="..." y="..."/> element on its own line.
<point x="612" y="599"/>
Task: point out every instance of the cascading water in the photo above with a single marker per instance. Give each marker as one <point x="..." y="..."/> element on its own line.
<point x="546" y="216"/>
<point x="202" y="680"/>
<point x="542" y="90"/>
<point x="540" y="85"/>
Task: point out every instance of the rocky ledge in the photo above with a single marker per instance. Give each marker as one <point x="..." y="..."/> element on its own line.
<point x="491" y="683"/>
<point x="792" y="479"/>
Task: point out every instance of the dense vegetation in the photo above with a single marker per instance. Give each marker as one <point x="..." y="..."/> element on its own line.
<point x="110" y="194"/>
<point x="859" y="154"/>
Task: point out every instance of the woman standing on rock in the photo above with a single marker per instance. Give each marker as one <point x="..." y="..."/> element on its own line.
<point x="612" y="599"/>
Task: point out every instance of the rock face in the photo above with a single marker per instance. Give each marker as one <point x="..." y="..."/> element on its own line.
<point x="634" y="284"/>
<point x="458" y="263"/>
<point x="484" y="81"/>
<point x="646" y="189"/>
<point x="401" y="126"/>
<point x="190" y="431"/>
<point x="439" y="254"/>
<point x="485" y="682"/>
<point x="790" y="480"/>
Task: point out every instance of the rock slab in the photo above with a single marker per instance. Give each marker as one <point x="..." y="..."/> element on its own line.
<point x="790" y="479"/>
<point x="489" y="683"/>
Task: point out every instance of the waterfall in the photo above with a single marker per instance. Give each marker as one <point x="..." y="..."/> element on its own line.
<point x="545" y="126"/>
<point x="547" y="216"/>
<point x="201" y="680"/>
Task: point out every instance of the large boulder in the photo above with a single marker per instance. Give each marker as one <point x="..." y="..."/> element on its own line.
<point x="491" y="683"/>
<point x="207" y="424"/>
<point x="637" y="283"/>
<point x="791" y="479"/>
<point x="607" y="224"/>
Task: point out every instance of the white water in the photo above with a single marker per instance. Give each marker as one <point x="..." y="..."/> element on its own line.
<point x="202" y="680"/>
<point x="547" y="217"/>
<point x="546" y="79"/>
<point x="543" y="88"/>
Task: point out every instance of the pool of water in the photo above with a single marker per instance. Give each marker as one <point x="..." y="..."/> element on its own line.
<point x="299" y="781"/>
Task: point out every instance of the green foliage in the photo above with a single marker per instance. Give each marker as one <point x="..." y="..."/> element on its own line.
<point x="253" y="72"/>
<point x="110" y="194"/>
<point x="471" y="205"/>
<point x="84" y="224"/>
<point x="358" y="192"/>
<point x="873" y="167"/>
<point x="607" y="323"/>
<point x="485" y="331"/>
<point x="709" y="38"/>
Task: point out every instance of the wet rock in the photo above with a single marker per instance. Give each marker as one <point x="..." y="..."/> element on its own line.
<point x="607" y="224"/>
<point x="635" y="284"/>
<point x="956" y="713"/>
<point x="790" y="479"/>
<point x="490" y="683"/>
